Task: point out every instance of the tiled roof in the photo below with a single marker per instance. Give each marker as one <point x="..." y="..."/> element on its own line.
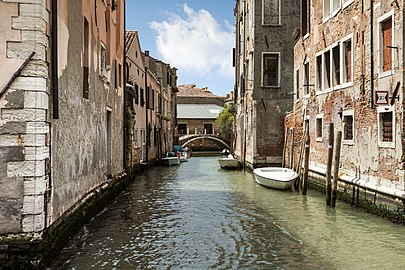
<point x="129" y="38"/>
<point x="190" y="90"/>
<point x="198" y="111"/>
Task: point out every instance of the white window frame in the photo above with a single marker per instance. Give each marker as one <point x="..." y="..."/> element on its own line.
<point x="279" y="14"/>
<point x="342" y="64"/>
<point x="329" y="88"/>
<point x="332" y="67"/>
<point x="380" y="110"/>
<point x="381" y="19"/>
<point x="319" y="88"/>
<point x="304" y="94"/>
<point x="342" y="4"/>
<point x="278" y="70"/>
<point x="346" y="3"/>
<point x="319" y="116"/>
<point x="348" y="113"/>
<point x="322" y="89"/>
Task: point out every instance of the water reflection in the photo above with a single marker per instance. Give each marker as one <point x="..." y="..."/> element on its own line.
<point x="197" y="216"/>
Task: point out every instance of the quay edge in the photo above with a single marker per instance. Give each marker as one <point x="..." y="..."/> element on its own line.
<point x="36" y="250"/>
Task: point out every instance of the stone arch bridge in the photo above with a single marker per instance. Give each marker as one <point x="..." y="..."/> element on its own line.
<point x="184" y="140"/>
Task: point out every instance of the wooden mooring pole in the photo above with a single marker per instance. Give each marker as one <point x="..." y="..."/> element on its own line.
<point x="329" y="165"/>
<point x="291" y="154"/>
<point x="336" y="167"/>
<point x="306" y="163"/>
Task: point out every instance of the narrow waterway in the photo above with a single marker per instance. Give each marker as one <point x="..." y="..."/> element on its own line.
<point x="198" y="216"/>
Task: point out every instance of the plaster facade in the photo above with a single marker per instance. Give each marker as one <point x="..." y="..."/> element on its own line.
<point x="263" y="78"/>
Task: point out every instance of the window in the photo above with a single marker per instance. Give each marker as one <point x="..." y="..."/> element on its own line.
<point x="386" y="45"/>
<point x="326" y="8"/>
<point x="297" y="83"/>
<point x="305" y="16"/>
<point x="326" y="70"/>
<point x="318" y="73"/>
<point x="386" y="127"/>
<point x="182" y="128"/>
<point x="306" y="84"/>
<point x="103" y="63"/>
<point x="271" y="12"/>
<point x="136" y="97"/>
<point x="271" y="65"/>
<point x="336" y="66"/>
<point x="136" y="137"/>
<point x="347" y="61"/>
<point x="86" y="54"/>
<point x="348" y="127"/>
<point x="319" y="127"/>
<point x="142" y="98"/>
<point x="207" y="128"/>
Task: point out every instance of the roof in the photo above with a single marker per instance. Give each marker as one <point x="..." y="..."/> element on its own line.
<point x="130" y="36"/>
<point x="198" y="111"/>
<point x="190" y="90"/>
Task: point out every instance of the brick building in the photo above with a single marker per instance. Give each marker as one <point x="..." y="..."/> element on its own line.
<point x="197" y="110"/>
<point x="263" y="77"/>
<point x="348" y="69"/>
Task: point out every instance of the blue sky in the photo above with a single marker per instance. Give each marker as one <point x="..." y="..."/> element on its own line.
<point x="195" y="36"/>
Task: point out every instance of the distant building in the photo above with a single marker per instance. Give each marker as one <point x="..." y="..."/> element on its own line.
<point x="197" y="110"/>
<point x="264" y="60"/>
<point x="151" y="88"/>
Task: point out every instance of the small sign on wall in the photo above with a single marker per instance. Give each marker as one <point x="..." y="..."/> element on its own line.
<point x="381" y="97"/>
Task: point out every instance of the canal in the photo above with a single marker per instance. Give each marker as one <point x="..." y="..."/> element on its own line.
<point x="197" y="216"/>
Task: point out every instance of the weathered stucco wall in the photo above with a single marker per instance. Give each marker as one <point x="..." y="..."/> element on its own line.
<point x="87" y="139"/>
<point x="261" y="109"/>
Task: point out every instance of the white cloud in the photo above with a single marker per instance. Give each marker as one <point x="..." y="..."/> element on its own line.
<point x="195" y="42"/>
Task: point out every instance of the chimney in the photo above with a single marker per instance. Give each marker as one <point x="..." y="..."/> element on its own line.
<point x="146" y="53"/>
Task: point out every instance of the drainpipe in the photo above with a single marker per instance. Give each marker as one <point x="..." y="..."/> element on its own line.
<point x="54" y="60"/>
<point x="371" y="55"/>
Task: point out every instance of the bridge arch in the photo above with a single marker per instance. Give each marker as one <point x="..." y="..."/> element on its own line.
<point x="205" y="137"/>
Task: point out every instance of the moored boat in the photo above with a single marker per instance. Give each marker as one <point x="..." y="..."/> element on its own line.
<point x="275" y="177"/>
<point x="169" y="161"/>
<point x="229" y="162"/>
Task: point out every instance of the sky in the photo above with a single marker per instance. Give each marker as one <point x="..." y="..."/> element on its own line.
<point x="195" y="36"/>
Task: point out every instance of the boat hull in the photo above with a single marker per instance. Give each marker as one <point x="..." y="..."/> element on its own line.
<point x="275" y="177"/>
<point x="170" y="161"/>
<point x="229" y="163"/>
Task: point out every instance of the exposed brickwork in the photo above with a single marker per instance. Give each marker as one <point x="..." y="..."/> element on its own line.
<point x="381" y="165"/>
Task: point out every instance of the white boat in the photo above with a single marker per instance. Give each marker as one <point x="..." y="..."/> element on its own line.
<point x="229" y="162"/>
<point x="275" y="177"/>
<point x="169" y="161"/>
<point x="184" y="156"/>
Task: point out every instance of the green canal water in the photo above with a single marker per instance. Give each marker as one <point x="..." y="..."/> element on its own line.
<point x="198" y="216"/>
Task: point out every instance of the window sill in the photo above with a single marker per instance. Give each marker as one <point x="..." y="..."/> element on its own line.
<point x="385" y="74"/>
<point x="271" y="25"/>
<point x="319" y="139"/>
<point x="386" y="144"/>
<point x="305" y="36"/>
<point x="275" y="86"/>
<point x="347" y="142"/>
